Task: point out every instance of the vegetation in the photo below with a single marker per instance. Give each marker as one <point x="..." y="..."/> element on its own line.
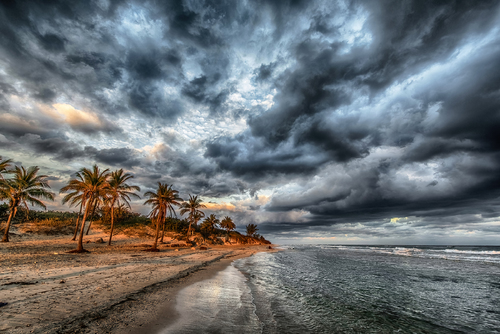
<point x="119" y="192"/>
<point x="91" y="185"/>
<point x="74" y="197"/>
<point x="251" y="230"/>
<point x="23" y="188"/>
<point x="228" y="225"/>
<point x="193" y="206"/>
<point x="162" y="202"/>
<point x="104" y="196"/>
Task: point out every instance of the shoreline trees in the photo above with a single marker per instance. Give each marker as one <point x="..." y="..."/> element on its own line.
<point x="92" y="184"/>
<point x="74" y="198"/>
<point x="228" y="225"/>
<point x="24" y="187"/>
<point x="251" y="230"/>
<point x="162" y="202"/>
<point x="89" y="187"/>
<point x="119" y="192"/>
<point x="192" y="206"/>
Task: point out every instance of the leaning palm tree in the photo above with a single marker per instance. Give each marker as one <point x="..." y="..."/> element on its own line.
<point x="119" y="192"/>
<point x="93" y="184"/>
<point x="98" y="203"/>
<point x="24" y="187"/>
<point x="228" y="225"/>
<point x="192" y="206"/>
<point x="75" y="197"/>
<point x="162" y="202"/>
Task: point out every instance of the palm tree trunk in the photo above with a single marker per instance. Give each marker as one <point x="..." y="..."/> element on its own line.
<point x="112" y="222"/>
<point x="91" y="217"/>
<point x="157" y="233"/>
<point x="6" y="233"/>
<point x="163" y="231"/>
<point x="79" y="248"/>
<point x="189" y="229"/>
<point x="77" y="221"/>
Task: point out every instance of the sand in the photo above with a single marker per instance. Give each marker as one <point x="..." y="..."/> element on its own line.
<point x="117" y="289"/>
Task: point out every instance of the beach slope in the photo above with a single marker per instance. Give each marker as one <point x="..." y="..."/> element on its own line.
<point x="113" y="289"/>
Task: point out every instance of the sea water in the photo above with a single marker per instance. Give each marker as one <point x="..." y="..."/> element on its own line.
<point x="349" y="289"/>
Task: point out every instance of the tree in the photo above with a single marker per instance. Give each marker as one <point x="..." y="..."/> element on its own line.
<point x="119" y="192"/>
<point x="95" y="207"/>
<point x="251" y="230"/>
<point x="197" y="217"/>
<point x="212" y="221"/>
<point x="228" y="225"/>
<point x="75" y="197"/>
<point x="4" y="164"/>
<point x="24" y="187"/>
<point x="192" y="207"/>
<point x="208" y="226"/>
<point x="93" y="184"/>
<point x="162" y="202"/>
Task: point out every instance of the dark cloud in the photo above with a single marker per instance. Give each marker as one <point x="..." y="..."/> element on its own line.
<point x="118" y="157"/>
<point x="345" y="111"/>
<point x="52" y="42"/>
<point x="264" y="72"/>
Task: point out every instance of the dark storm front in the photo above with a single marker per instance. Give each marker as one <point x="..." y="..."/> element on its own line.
<point x="365" y="289"/>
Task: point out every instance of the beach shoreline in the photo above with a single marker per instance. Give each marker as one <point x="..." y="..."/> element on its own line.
<point x="117" y="289"/>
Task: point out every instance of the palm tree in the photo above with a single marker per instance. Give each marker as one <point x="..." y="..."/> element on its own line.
<point x="75" y="198"/>
<point x="228" y="225"/>
<point x="197" y="217"/>
<point x="119" y="192"/>
<point x="212" y="221"/>
<point x="93" y="185"/>
<point x="162" y="202"/>
<point x="4" y="164"/>
<point x="23" y="188"/>
<point x="251" y="230"/>
<point x="192" y="206"/>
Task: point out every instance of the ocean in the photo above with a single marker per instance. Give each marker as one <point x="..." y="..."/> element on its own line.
<point x="349" y="289"/>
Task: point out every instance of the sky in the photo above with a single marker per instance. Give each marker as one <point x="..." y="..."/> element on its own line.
<point x="347" y="122"/>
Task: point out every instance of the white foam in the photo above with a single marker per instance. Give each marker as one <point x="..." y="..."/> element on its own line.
<point x="491" y="256"/>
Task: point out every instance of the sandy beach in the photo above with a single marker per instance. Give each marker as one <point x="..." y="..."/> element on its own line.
<point x="117" y="289"/>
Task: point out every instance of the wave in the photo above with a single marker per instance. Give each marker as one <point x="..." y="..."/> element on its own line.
<point x="482" y="255"/>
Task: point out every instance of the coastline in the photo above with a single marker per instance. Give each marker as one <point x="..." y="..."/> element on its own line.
<point x="117" y="289"/>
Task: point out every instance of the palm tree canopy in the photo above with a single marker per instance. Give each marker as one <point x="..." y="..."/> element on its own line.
<point x="197" y="216"/>
<point x="227" y="223"/>
<point x="25" y="187"/>
<point x="88" y="184"/>
<point x="118" y="190"/>
<point x="212" y="221"/>
<point x="162" y="201"/>
<point x="75" y="190"/>
<point x="251" y="229"/>
<point x="192" y="206"/>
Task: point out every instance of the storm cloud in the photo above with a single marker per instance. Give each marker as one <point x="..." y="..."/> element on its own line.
<point x="359" y="120"/>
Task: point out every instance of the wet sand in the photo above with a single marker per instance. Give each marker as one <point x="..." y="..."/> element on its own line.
<point x="117" y="289"/>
